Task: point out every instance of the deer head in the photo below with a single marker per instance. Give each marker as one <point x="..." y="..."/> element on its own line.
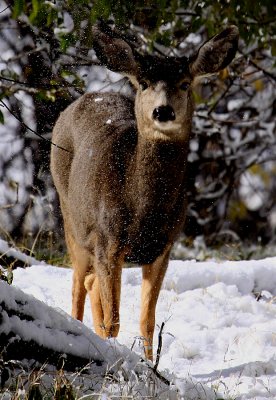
<point x="163" y="103"/>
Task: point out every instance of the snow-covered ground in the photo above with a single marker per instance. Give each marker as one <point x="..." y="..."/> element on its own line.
<point x="220" y="321"/>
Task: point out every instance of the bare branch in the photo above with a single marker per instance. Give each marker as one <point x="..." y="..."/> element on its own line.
<point x="159" y="346"/>
<point x="4" y="9"/>
<point x="30" y="129"/>
<point x="222" y="96"/>
<point x="264" y="71"/>
<point x="15" y="87"/>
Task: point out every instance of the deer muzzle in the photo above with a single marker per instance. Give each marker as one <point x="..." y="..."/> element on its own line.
<point x="163" y="114"/>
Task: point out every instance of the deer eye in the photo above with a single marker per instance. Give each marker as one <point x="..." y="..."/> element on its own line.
<point x="184" y="85"/>
<point x="144" y="85"/>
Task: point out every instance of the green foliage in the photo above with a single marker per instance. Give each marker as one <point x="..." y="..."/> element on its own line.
<point x="102" y="8"/>
<point x="17" y="8"/>
<point x="256" y="20"/>
<point x="66" y="40"/>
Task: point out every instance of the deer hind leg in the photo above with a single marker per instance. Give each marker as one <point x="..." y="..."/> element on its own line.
<point x="92" y="286"/>
<point x="108" y="286"/>
<point x="81" y="261"/>
<point x="84" y="281"/>
<point x="153" y="275"/>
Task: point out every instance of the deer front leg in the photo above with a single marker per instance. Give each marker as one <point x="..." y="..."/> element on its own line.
<point x="153" y="275"/>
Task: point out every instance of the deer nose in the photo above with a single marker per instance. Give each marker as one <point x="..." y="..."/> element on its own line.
<point x="163" y="114"/>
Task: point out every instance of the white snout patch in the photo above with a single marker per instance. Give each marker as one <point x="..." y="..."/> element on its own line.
<point x="161" y="95"/>
<point x="167" y="126"/>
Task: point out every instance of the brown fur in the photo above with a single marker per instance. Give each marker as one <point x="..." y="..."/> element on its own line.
<point x="122" y="186"/>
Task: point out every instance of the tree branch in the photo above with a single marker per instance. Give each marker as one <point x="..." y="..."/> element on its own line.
<point x="265" y="72"/>
<point x="30" y="129"/>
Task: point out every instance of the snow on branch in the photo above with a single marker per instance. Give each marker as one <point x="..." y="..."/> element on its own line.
<point x="6" y="251"/>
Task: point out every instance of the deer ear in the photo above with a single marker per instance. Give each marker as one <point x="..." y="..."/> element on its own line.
<point x="216" y="53"/>
<point x="114" y="53"/>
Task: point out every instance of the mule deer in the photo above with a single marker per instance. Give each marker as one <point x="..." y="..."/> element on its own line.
<point x="122" y="183"/>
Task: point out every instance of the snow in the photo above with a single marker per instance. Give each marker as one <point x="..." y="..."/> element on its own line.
<point x="235" y="104"/>
<point x="220" y="322"/>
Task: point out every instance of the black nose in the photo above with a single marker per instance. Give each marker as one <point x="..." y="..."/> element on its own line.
<point x="163" y="114"/>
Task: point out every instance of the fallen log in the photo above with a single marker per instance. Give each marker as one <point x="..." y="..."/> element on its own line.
<point x="35" y="334"/>
<point x="29" y="329"/>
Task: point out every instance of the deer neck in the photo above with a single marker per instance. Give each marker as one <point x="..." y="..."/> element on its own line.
<point x="160" y="155"/>
<point x="158" y="171"/>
